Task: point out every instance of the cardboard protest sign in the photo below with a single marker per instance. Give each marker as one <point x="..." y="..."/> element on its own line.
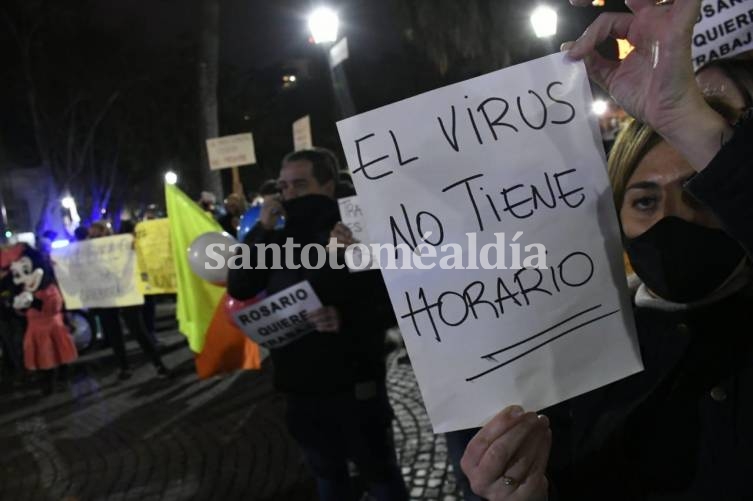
<point x="502" y="179"/>
<point x="724" y="29"/>
<point x="231" y="151"/>
<point x="155" y="257"/>
<point x="280" y="319"/>
<point x="302" y="134"/>
<point x="98" y="273"/>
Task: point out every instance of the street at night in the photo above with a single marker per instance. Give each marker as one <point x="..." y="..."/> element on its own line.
<point x="376" y="250"/>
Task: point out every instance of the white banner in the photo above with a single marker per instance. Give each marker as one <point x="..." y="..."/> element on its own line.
<point x="98" y="273"/>
<point x="724" y="29"/>
<point x="279" y="319"/>
<point x="509" y="159"/>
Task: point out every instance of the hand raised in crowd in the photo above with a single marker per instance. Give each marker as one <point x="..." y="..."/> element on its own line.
<point x="325" y="319"/>
<point x="655" y="83"/>
<point x="507" y="458"/>
<point x="342" y="235"/>
<point x="271" y="210"/>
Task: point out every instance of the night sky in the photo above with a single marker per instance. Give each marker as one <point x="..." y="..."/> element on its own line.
<point x="146" y="51"/>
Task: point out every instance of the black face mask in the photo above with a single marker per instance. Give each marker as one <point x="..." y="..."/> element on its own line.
<point x="681" y="261"/>
<point x="311" y="213"/>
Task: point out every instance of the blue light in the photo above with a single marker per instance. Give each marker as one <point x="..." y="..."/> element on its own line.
<point x="8" y="234"/>
<point x="59" y="244"/>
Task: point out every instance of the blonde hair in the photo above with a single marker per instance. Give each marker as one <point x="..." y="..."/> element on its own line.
<point x="632" y="144"/>
<point x="636" y="140"/>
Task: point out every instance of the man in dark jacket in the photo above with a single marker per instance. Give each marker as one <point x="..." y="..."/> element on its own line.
<point x="333" y="377"/>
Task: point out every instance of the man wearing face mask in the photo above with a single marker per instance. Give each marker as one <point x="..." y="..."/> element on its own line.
<point x="333" y="378"/>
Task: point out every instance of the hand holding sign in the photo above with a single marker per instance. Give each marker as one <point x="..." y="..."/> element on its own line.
<point x="655" y="82"/>
<point x="343" y="235"/>
<point x="507" y="459"/>
<point x="325" y="319"/>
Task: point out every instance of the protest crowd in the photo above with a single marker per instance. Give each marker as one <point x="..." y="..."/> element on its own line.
<point x="655" y="403"/>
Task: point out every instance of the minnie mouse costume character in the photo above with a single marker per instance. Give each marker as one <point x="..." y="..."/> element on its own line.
<point x="47" y="341"/>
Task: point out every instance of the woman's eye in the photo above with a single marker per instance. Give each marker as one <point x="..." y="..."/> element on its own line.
<point x="644" y="203"/>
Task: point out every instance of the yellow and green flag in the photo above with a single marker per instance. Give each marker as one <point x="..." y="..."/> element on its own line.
<point x="218" y="344"/>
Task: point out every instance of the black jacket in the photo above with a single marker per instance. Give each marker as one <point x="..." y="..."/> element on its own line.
<point x="321" y="363"/>
<point x="683" y="428"/>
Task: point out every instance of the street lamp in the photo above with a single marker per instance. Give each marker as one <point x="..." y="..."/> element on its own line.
<point x="599" y="107"/>
<point x="324" y="24"/>
<point x="544" y="21"/>
<point x="72" y="218"/>
<point x="68" y="202"/>
<point x="171" y="177"/>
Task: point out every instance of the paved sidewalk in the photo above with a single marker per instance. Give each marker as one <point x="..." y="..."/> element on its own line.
<point x="178" y="439"/>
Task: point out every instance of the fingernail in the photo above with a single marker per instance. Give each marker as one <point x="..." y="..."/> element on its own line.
<point x="543" y="419"/>
<point x="516" y="411"/>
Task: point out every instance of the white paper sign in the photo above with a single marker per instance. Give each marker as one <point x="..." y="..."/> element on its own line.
<point x="724" y="29"/>
<point x="231" y="151"/>
<point x="98" y="273"/>
<point x="351" y="215"/>
<point x="338" y="53"/>
<point x="472" y="164"/>
<point x="302" y="134"/>
<point x="279" y="319"/>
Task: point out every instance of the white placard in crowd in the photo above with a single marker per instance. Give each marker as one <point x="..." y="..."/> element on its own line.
<point x="231" y="151"/>
<point x="280" y="318"/>
<point x="338" y="53"/>
<point x="351" y="215"/>
<point x="98" y="273"/>
<point x="724" y="29"/>
<point x="302" y="134"/>
<point x="511" y="159"/>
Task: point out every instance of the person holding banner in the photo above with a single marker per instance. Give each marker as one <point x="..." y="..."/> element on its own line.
<point x="334" y="376"/>
<point x="682" y="181"/>
<point x="109" y="319"/>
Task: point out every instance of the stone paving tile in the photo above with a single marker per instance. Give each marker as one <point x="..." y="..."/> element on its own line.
<point x="422" y="455"/>
<point x="152" y="439"/>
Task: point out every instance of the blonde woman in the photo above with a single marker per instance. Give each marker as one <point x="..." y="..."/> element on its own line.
<point x="683" y="188"/>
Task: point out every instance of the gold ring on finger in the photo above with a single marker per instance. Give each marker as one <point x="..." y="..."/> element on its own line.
<point x="509" y="481"/>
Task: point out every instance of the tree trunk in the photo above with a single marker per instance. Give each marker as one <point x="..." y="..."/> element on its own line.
<point x="209" y="53"/>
